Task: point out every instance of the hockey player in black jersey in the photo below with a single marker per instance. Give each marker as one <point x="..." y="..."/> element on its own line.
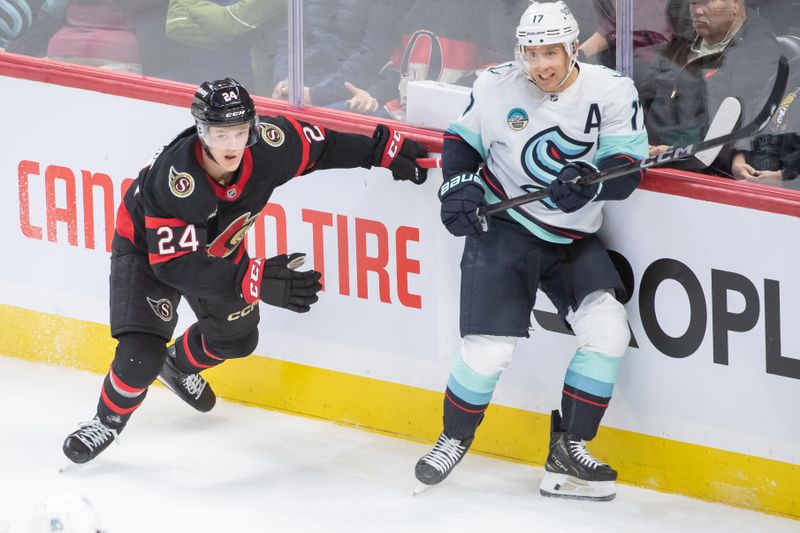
<point x="179" y="234"/>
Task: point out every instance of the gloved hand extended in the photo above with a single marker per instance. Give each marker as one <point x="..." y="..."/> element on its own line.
<point x="566" y="193"/>
<point x="276" y="282"/>
<point x="399" y="154"/>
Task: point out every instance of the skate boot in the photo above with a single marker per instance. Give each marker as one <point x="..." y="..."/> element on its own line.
<point x="572" y="472"/>
<point x="191" y="388"/>
<point x="437" y="463"/>
<point x="89" y="440"/>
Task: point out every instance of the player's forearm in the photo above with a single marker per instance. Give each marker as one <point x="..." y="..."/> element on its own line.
<point x="346" y="150"/>
<point x="623" y="186"/>
<point x="458" y="157"/>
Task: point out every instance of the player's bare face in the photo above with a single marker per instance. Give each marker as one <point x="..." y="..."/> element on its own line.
<point x="227" y="145"/>
<point x="548" y="66"/>
<point x="713" y="19"/>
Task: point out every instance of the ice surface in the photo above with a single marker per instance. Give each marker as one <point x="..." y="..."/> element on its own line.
<point x="240" y="469"/>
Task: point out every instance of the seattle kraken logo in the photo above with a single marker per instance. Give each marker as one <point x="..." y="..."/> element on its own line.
<point x="546" y="153"/>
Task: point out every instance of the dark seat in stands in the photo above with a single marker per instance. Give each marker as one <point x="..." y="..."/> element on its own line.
<point x="790" y="47"/>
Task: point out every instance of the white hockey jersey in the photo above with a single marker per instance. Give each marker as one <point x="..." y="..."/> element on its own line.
<point x="526" y="136"/>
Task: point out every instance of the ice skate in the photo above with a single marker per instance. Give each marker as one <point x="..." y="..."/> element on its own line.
<point x="437" y="464"/>
<point x="572" y="472"/>
<point x="191" y="388"/>
<point x="89" y="440"/>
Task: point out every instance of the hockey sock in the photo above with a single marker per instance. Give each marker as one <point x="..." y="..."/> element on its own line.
<point x="192" y="354"/>
<point x="136" y="364"/>
<point x="466" y="399"/>
<point x="118" y="401"/>
<point x="587" y="391"/>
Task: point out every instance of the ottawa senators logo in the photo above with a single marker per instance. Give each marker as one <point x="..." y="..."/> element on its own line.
<point x="162" y="308"/>
<point x="229" y="240"/>
<point x="272" y="134"/>
<point x="180" y="183"/>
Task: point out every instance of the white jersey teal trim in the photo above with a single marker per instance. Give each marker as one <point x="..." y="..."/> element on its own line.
<point x="526" y="136"/>
<point x="634" y="146"/>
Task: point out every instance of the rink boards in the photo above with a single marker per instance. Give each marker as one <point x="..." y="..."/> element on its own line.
<point x="704" y="404"/>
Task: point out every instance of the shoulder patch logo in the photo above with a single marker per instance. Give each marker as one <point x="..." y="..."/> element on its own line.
<point x="272" y="134"/>
<point x="162" y="308"/>
<point x="180" y="183"/>
<point x="517" y="119"/>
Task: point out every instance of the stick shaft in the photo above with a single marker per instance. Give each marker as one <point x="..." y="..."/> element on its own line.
<point x="748" y="130"/>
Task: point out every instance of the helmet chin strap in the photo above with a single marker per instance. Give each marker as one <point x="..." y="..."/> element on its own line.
<point x="207" y="152"/>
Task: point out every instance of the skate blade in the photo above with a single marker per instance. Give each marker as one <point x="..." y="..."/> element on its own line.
<point x="420" y="488"/>
<point x="70" y="467"/>
<point x="568" y="487"/>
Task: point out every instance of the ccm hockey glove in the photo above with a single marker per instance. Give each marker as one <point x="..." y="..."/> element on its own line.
<point x="461" y="196"/>
<point x="276" y="282"/>
<point x="566" y="193"/>
<point x="399" y="154"/>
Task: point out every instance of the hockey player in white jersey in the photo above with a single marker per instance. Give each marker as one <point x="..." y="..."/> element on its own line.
<point x="539" y="122"/>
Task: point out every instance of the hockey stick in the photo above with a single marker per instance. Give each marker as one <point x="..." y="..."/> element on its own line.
<point x="724" y="121"/>
<point x="674" y="154"/>
<point x="429" y="162"/>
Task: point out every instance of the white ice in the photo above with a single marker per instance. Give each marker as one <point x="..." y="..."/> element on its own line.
<point x="241" y="469"/>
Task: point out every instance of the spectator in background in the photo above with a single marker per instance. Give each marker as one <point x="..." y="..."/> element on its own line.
<point x="99" y="34"/>
<point x="158" y="53"/>
<point x="730" y="54"/>
<point x="449" y="41"/>
<point x="346" y="43"/>
<point x="587" y="13"/>
<point x="15" y="19"/>
<point x="48" y="17"/>
<point x="774" y="156"/>
<point x="651" y="31"/>
<point x="783" y="16"/>
<point x="220" y="32"/>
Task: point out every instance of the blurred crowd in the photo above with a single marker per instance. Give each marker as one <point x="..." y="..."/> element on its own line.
<point x="360" y="55"/>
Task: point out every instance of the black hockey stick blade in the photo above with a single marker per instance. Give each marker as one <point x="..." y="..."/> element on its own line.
<point x="748" y="130"/>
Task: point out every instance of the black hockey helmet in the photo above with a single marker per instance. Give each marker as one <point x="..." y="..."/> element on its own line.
<point x="223" y="103"/>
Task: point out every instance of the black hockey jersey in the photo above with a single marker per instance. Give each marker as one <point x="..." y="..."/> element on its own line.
<point x="191" y="228"/>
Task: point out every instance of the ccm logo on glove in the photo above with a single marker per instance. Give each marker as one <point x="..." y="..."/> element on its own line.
<point x="276" y="282"/>
<point x="254" y="280"/>
<point x="399" y="154"/>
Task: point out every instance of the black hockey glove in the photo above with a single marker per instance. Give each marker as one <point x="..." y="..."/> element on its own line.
<point x="566" y="193"/>
<point x="399" y="154"/>
<point x="461" y="196"/>
<point x="276" y="282"/>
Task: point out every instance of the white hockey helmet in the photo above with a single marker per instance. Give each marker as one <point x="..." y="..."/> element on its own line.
<point x="545" y="23"/>
<point x="65" y="513"/>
